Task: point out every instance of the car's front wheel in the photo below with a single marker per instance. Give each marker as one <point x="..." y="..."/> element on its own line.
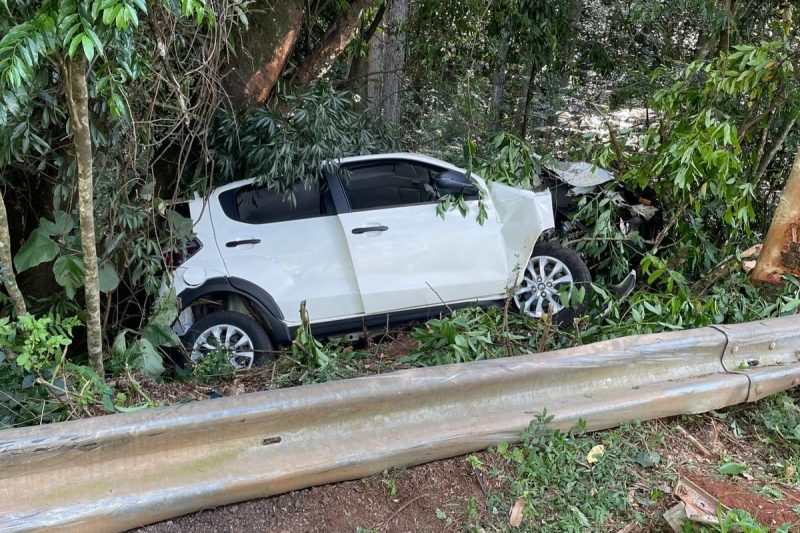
<point x="552" y="273"/>
<point x="242" y="338"/>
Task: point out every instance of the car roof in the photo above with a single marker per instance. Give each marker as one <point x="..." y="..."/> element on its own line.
<point x="407" y="156"/>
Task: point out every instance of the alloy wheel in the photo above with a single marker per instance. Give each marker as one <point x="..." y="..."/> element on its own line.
<point x="233" y="340"/>
<point x="543" y="278"/>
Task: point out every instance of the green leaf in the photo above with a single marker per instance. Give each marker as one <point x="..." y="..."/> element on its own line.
<point x="165" y="309"/>
<point x="732" y="469"/>
<point x="108" y="405"/>
<point x="38" y="249"/>
<point x="73" y="46"/>
<point x="149" y="361"/>
<point x="62" y="226"/>
<point x="88" y="47"/>
<point x="69" y="273"/>
<point x="160" y="335"/>
<point x="119" y="347"/>
<point x="108" y="277"/>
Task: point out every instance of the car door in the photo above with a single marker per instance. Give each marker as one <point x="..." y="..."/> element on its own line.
<point x="405" y="255"/>
<point x="295" y="252"/>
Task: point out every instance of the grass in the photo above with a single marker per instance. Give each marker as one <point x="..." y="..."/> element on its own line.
<point x="626" y="485"/>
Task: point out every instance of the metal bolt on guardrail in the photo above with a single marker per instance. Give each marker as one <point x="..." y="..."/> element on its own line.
<point x="120" y="471"/>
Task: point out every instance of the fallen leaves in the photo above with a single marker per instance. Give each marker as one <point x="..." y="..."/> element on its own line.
<point x="515" y="519"/>
<point x="595" y="454"/>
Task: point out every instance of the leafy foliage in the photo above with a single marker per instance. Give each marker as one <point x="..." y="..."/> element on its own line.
<point x="292" y="139"/>
<point x="214" y="366"/>
<point x="37" y="383"/>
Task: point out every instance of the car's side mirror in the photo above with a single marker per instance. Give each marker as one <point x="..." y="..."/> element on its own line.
<point x="456" y="183"/>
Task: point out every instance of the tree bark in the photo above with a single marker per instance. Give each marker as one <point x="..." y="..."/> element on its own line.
<point x="499" y="77"/>
<point x="376" y="77"/>
<point x="781" y="251"/>
<point x="526" y="111"/>
<point x="78" y="103"/>
<point x="335" y="40"/>
<point x="395" y="59"/>
<point x="6" y="264"/>
<point x="262" y="51"/>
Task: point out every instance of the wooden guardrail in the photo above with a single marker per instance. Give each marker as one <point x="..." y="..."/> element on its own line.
<point x="120" y="471"/>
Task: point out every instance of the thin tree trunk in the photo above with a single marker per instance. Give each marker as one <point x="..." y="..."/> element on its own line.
<point x="767" y="158"/>
<point x="499" y="77"/>
<point x="781" y="251"/>
<point x="395" y="59"/>
<point x="355" y="69"/>
<point x="526" y="112"/>
<point x="78" y="104"/>
<point x="335" y="40"/>
<point x="7" y="265"/>
<point x="725" y="39"/>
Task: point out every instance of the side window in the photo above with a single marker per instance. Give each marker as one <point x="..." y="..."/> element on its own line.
<point x="259" y="205"/>
<point x="388" y="184"/>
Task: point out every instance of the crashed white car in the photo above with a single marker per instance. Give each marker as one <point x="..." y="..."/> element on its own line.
<point x="364" y="250"/>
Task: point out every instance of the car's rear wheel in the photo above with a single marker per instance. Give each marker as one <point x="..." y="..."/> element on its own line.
<point x="244" y="340"/>
<point x="551" y="272"/>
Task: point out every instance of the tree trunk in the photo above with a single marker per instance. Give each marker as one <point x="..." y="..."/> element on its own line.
<point x="376" y="77"/>
<point x="725" y="38"/>
<point x="6" y="264"/>
<point x="499" y="77"/>
<point x="394" y="59"/>
<point x="262" y="51"/>
<point x="767" y="158"/>
<point x="781" y="251"/>
<point x="78" y="104"/>
<point x="335" y="40"/>
<point x="526" y="112"/>
<point x="356" y="67"/>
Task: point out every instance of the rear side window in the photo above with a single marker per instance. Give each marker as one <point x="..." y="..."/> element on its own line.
<point x="388" y="184"/>
<point x="259" y="205"/>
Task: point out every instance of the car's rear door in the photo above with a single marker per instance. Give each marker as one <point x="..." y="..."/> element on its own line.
<point x="294" y="251"/>
<point x="405" y="255"/>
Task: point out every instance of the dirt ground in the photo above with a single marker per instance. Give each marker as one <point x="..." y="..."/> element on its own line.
<point x="398" y="501"/>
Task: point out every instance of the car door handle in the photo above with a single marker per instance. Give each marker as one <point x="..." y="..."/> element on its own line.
<point x="232" y="244"/>
<point x="358" y="231"/>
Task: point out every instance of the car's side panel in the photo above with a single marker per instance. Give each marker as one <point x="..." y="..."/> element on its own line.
<point x="295" y="260"/>
<point x="207" y="263"/>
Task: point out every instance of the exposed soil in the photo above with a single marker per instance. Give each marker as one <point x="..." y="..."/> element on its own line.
<point x="398" y="501"/>
<point x="741" y="495"/>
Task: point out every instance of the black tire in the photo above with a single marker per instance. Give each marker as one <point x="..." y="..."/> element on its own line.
<point x="578" y="270"/>
<point x="261" y="343"/>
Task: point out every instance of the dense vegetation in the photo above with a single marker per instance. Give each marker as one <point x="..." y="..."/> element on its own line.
<point x="112" y="110"/>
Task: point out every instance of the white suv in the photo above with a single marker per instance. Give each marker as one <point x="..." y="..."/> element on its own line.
<point x="364" y="250"/>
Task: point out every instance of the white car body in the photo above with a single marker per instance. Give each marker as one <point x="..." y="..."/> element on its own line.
<point x="345" y="271"/>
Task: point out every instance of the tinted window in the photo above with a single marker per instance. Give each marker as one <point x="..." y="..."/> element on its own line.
<point x="388" y="184"/>
<point x="258" y="205"/>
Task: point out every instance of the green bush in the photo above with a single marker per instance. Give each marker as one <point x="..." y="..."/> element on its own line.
<point x="37" y="384"/>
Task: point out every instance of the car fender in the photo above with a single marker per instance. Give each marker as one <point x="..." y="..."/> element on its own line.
<point x="270" y="312"/>
<point x="524" y="215"/>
